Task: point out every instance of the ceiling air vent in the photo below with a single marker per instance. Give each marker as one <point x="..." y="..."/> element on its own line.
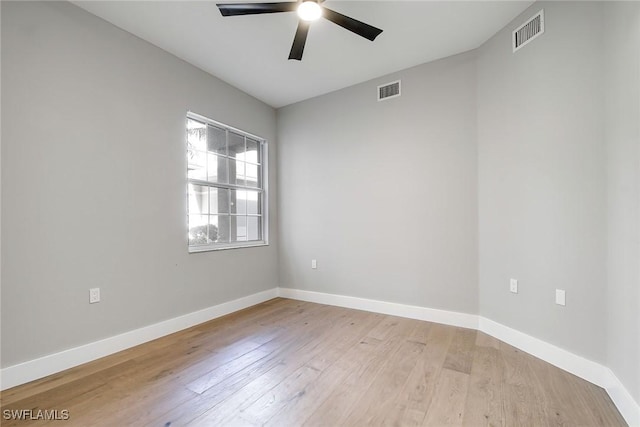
<point x="528" y="31"/>
<point x="389" y="90"/>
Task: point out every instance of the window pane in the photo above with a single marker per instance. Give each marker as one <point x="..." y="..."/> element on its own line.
<point x="236" y="145"/>
<point x="239" y="228"/>
<point x="222" y="224"/>
<point x="253" y="151"/>
<point x="254" y="231"/>
<point x="218" y="200"/>
<point x="196" y="135"/>
<point x="253" y="202"/>
<point x="224" y="188"/>
<point x="196" y="164"/>
<point x="239" y="202"/>
<point x="253" y="173"/>
<point x="216" y="140"/>
<point x="217" y="168"/>
<point x="236" y="172"/>
<point x="198" y="230"/>
<point x="198" y="199"/>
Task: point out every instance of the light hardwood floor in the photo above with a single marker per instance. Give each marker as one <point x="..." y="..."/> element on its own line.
<point x="291" y="363"/>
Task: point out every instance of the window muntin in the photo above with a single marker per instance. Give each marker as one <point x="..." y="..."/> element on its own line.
<point x="226" y="192"/>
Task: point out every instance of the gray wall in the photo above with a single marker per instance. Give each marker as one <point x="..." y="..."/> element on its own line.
<point x="541" y="179"/>
<point x="383" y="194"/>
<point x="94" y="183"/>
<point x="622" y="135"/>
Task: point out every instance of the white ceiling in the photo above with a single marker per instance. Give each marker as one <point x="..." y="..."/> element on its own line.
<point x="250" y="52"/>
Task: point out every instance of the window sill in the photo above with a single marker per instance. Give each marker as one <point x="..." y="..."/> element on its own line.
<point x="225" y="246"/>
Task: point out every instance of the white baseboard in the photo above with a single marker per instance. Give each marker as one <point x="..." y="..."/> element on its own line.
<point x="563" y="359"/>
<point x="623" y="400"/>
<point x="577" y="365"/>
<point x="53" y="363"/>
<point x="586" y="369"/>
<point x="409" y="311"/>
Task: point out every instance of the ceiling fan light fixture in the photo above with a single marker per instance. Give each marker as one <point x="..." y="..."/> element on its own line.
<point x="309" y="10"/>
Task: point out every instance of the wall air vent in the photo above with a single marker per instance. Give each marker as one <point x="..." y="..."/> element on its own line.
<point x="389" y="90"/>
<point x="528" y="31"/>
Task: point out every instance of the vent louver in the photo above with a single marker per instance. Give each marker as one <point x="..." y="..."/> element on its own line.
<point x="389" y="90"/>
<point x="528" y="31"/>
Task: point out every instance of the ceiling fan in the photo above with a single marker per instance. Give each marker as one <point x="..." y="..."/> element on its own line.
<point x="308" y="11"/>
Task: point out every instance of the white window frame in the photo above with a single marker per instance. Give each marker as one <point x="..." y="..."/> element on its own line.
<point x="264" y="190"/>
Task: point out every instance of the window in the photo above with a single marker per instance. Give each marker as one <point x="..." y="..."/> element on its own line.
<point x="226" y="186"/>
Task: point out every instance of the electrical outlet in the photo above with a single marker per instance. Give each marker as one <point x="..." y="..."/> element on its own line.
<point x="513" y="286"/>
<point x="561" y="297"/>
<point x="314" y="264"/>
<point x="94" y="295"/>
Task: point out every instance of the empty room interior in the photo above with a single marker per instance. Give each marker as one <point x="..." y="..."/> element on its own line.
<point x="320" y="213"/>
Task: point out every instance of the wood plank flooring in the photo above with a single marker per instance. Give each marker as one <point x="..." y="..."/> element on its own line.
<point x="293" y="363"/>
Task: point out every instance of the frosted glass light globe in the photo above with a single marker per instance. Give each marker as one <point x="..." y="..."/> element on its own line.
<point x="309" y="10"/>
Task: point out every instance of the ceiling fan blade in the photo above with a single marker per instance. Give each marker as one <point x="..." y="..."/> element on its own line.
<point x="235" y="9"/>
<point x="299" y="41"/>
<point x="360" y="28"/>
